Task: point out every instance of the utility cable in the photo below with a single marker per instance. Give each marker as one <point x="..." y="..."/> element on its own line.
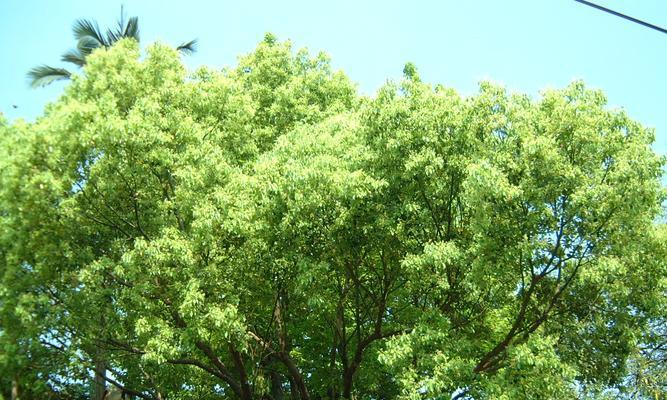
<point x="618" y="14"/>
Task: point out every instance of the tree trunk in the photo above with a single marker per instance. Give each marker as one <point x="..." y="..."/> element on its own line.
<point x="276" y="385"/>
<point x="348" y="378"/>
<point x="15" y="388"/>
<point x="294" y="391"/>
<point x="99" y="383"/>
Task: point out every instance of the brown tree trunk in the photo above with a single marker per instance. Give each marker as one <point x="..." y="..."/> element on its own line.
<point x="246" y="391"/>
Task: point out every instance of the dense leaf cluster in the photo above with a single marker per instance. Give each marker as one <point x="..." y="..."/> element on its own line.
<point x="265" y="232"/>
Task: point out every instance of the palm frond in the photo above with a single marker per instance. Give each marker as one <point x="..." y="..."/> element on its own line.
<point x="112" y="37"/>
<point x="123" y="30"/>
<point x="75" y="57"/>
<point x="84" y="28"/>
<point x="115" y="35"/>
<point x="132" y="29"/>
<point x="44" y="75"/>
<point x="89" y="37"/>
<point x="188" y="47"/>
<point x="86" y="45"/>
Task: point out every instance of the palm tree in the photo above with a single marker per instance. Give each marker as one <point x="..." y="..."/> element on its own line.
<point x="89" y="37"/>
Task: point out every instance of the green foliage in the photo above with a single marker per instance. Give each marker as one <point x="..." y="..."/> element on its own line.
<point x="265" y="232"/>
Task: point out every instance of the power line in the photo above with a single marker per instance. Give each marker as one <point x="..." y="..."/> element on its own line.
<point x="618" y="14"/>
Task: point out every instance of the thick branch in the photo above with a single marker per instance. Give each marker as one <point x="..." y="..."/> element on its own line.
<point x="220" y="366"/>
<point x="283" y="354"/>
<point x="243" y="376"/>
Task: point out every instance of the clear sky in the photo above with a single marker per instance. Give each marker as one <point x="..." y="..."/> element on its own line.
<point x="527" y="45"/>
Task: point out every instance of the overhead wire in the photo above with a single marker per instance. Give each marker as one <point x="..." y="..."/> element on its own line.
<point x="618" y="14"/>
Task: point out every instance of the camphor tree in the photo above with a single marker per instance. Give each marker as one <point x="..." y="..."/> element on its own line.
<point x="265" y="232"/>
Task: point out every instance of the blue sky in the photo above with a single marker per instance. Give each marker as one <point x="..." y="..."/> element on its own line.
<point x="527" y="45"/>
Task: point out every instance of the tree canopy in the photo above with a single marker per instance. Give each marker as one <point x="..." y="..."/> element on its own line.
<point x="266" y="232"/>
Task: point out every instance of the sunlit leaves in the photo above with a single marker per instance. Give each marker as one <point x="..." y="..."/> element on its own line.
<point x="229" y="233"/>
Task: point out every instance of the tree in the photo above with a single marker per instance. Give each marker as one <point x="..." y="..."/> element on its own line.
<point x="264" y="232"/>
<point x="89" y="37"/>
